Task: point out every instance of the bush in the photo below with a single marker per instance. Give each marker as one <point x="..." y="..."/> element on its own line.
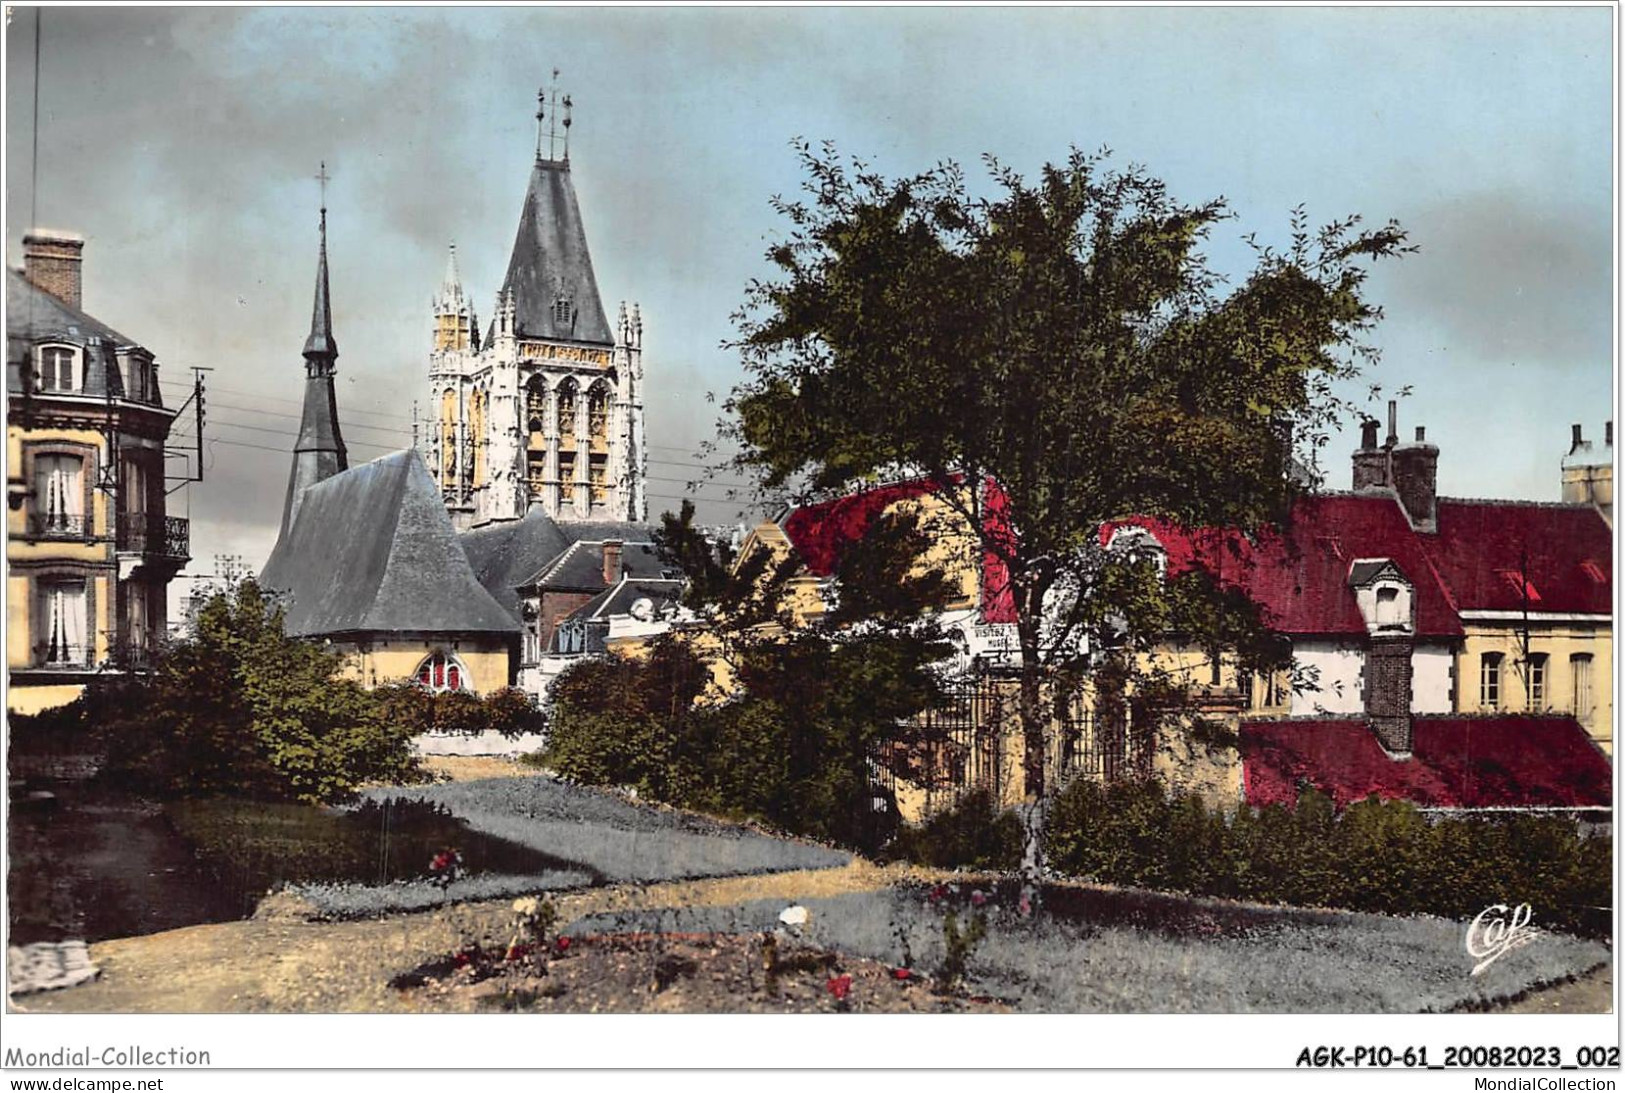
<point x="791" y="749"/>
<point x="1384" y="856"/>
<point x="243" y="710"/>
<point x="970" y="836"/>
<point x="508" y="712"/>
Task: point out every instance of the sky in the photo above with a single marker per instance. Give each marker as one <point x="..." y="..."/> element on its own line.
<point x="184" y="144"/>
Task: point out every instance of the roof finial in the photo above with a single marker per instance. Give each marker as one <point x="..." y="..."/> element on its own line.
<point x="322" y="176"/>
<point x="541" y="99"/>
<point x="567" y="128"/>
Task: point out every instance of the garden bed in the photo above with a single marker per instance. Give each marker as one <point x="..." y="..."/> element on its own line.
<point x="700" y="973"/>
<point x="1124" y="951"/>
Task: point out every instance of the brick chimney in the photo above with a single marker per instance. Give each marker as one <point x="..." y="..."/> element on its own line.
<point x="54" y="262"/>
<point x="1410" y="470"/>
<point x="1388" y="691"/>
<point x="1416" y="480"/>
<point x="1370" y="462"/>
<point x="612" y="561"/>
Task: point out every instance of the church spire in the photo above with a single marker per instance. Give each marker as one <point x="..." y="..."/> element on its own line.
<point x="319" y="452"/>
<point x="321" y="351"/>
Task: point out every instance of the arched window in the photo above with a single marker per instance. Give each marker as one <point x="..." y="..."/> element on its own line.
<point x="567" y="410"/>
<point x="598" y="413"/>
<point x="441" y="672"/>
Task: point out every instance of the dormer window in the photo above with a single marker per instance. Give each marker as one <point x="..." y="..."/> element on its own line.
<point x="1136" y="545"/>
<point x="1386" y="598"/>
<point x="58" y="368"/>
<point x="1388" y="608"/>
<point x="561" y="311"/>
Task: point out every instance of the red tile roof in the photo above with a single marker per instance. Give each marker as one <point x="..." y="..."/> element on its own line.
<point x="1300" y="578"/>
<point x="1567" y="552"/>
<point x="821" y="532"/>
<point x="1456" y="762"/>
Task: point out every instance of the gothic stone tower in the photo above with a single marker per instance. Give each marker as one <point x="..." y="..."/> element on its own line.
<point x="548" y="409"/>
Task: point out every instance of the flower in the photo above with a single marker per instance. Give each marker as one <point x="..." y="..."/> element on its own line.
<point x="562" y="944"/>
<point x="840" y="986"/>
<point x="901" y="974"/>
<point x="978" y="898"/>
<point x="938" y="894"/>
<point x="794" y="916"/>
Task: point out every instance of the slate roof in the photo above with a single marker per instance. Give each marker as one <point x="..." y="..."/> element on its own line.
<point x="503" y="555"/>
<point x="34" y="316"/>
<point x="581" y="566"/>
<point x="550" y="261"/>
<point x="372" y="549"/>
<point x="507" y="555"/>
<point x="1456" y="762"/>
<point x="593" y="616"/>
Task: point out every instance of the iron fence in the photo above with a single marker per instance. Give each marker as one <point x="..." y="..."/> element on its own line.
<point x="58" y="525"/>
<point x="166" y="537"/>
<point x="972" y="742"/>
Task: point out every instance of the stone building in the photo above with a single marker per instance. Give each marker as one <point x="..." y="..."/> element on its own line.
<point x="90" y="545"/>
<point x="1588" y="472"/>
<point x="367" y="558"/>
<point x="546" y="408"/>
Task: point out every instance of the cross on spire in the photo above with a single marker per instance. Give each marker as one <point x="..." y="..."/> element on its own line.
<point x="322" y="176"/>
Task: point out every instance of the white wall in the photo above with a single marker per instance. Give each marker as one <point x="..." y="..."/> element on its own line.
<point x="1430" y="679"/>
<point x="1338" y="666"/>
<point x="485" y="743"/>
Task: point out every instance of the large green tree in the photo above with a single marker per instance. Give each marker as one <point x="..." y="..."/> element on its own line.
<point x="1064" y="339"/>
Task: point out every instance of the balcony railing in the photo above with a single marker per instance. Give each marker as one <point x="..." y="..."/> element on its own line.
<point x="166" y="537"/>
<point x="58" y="525"/>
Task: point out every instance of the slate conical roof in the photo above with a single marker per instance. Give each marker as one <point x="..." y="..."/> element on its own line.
<point x="550" y="263"/>
<point x="372" y="550"/>
<point x="321" y="343"/>
<point x="319" y="452"/>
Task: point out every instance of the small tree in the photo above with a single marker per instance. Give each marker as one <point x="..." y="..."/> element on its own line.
<point x="241" y="709"/>
<point x="1054" y="358"/>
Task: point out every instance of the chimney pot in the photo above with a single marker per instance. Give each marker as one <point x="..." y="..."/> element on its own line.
<point x="1421" y="434"/>
<point x="612" y="561"/>
<point x="1576" y="437"/>
<point x="1393" y="422"/>
<point x="1368" y="434"/>
<point x="1608" y="433"/>
<point x="53" y="262"/>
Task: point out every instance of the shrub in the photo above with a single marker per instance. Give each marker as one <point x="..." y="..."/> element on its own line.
<point x="241" y="709"/>
<point x="1384" y="856"/>
<point x="971" y="835"/>
<point x="508" y="712"/>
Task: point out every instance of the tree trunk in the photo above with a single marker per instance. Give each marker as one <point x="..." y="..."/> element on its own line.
<point x="1035" y="797"/>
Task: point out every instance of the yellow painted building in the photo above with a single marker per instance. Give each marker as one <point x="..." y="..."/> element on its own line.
<point x="90" y="547"/>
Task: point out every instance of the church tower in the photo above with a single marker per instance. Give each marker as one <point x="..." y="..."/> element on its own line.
<point x="454" y="447"/>
<point x="548" y="410"/>
<point x="319" y="452"/>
